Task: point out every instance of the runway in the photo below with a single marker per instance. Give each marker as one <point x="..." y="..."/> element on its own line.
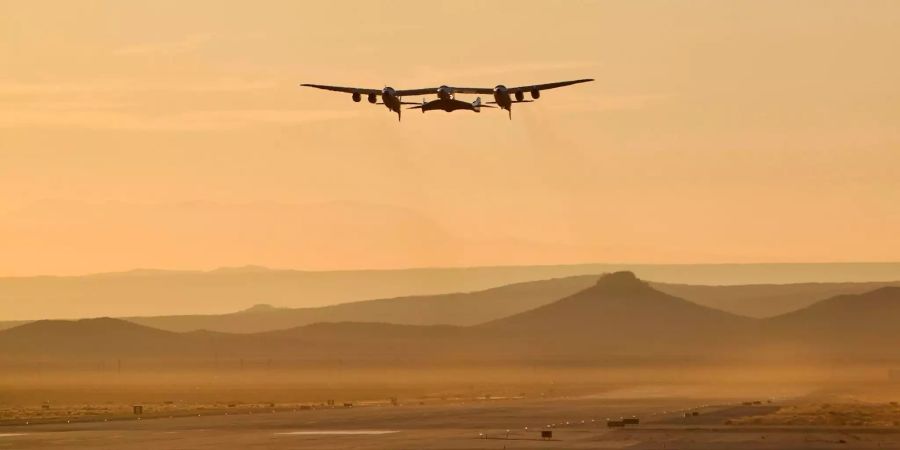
<point x="471" y="425"/>
<point x="575" y="422"/>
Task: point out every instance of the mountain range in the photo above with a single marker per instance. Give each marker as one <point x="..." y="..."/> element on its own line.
<point x="146" y="292"/>
<point x="618" y="316"/>
<point x="460" y="308"/>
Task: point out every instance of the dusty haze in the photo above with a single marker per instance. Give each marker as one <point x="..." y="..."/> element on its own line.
<point x="174" y="135"/>
<point x="227" y="290"/>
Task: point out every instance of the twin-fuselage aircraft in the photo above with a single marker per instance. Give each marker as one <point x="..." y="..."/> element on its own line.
<point x="504" y="97"/>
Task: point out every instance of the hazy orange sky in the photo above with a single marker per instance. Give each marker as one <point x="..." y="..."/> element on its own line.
<point x="173" y="134"/>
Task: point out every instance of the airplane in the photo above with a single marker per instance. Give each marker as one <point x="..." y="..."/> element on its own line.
<point x="449" y="103"/>
<point x="503" y="96"/>
<point x="446" y="96"/>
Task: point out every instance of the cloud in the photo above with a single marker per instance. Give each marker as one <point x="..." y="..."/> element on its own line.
<point x="16" y="88"/>
<point x="187" y="44"/>
<point x="185" y="121"/>
<point x="124" y="104"/>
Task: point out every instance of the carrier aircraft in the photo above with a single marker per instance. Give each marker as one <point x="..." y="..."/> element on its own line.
<point x="504" y="97"/>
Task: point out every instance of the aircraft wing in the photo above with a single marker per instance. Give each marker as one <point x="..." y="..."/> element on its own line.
<point x="349" y="90"/>
<point x="457" y="90"/>
<point x="471" y="90"/>
<point x="513" y="90"/>
<point x="364" y="91"/>
<point x="408" y="92"/>
<point x="545" y="86"/>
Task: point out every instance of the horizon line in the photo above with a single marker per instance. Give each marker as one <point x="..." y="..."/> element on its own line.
<point x="265" y="268"/>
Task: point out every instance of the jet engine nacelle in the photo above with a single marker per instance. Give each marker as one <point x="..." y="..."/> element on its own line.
<point x="357" y="97"/>
<point x="444" y="93"/>
<point x="373" y="98"/>
<point x="535" y="94"/>
<point x="520" y="96"/>
<point x="501" y="94"/>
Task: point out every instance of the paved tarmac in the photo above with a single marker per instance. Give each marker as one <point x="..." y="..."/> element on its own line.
<point x="576" y="423"/>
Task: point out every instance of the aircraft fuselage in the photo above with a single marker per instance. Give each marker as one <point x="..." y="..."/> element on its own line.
<point x="448" y="105"/>
<point x="501" y="96"/>
<point x="391" y="101"/>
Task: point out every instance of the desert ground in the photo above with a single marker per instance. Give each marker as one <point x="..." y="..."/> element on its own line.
<point x="824" y="376"/>
<point x="483" y="409"/>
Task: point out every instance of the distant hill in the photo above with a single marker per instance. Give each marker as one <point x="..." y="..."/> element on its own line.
<point x="865" y="324"/>
<point x="63" y="342"/>
<point x="470" y="308"/>
<point x="261" y="308"/>
<point x="13" y="323"/>
<point x="466" y="308"/>
<point x="617" y="314"/>
<point x="766" y="300"/>
<point x="621" y="314"/>
<point x="619" y="317"/>
<point x="91" y="337"/>
<point x="147" y="292"/>
<point x="874" y="311"/>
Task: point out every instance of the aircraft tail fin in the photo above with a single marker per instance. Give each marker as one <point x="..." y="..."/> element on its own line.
<point x="418" y="105"/>
<point x="477" y="105"/>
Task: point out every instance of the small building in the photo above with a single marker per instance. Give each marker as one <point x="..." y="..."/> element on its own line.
<point x="615" y="423"/>
<point x="138" y="409"/>
<point x="546" y="434"/>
